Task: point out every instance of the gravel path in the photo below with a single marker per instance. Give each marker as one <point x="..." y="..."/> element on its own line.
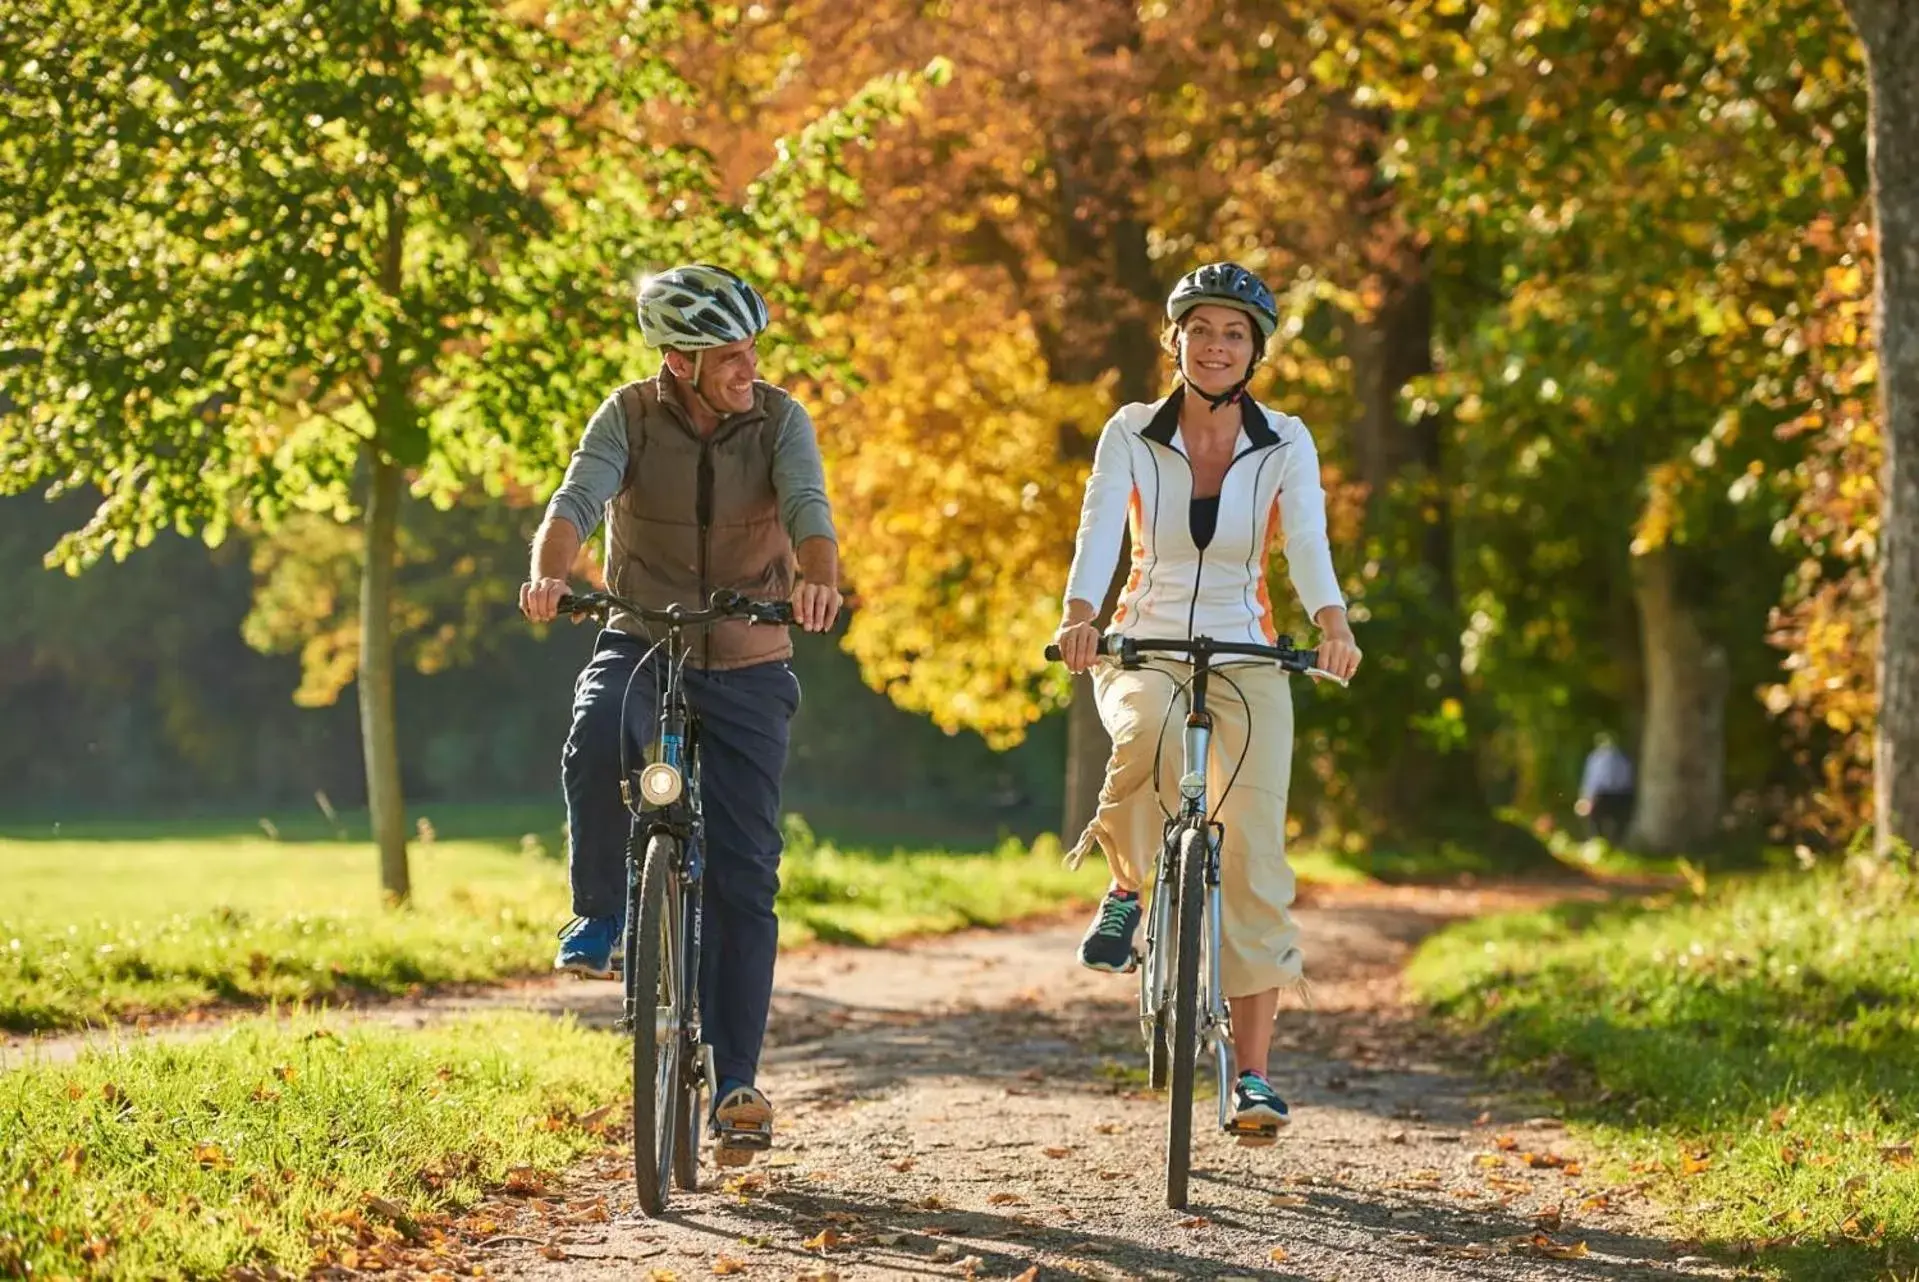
<point x="970" y="1107"/>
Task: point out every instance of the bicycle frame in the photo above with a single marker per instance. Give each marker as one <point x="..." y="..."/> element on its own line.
<point x="678" y="746"/>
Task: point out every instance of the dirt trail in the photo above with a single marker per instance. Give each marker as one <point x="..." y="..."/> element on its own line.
<point x="960" y="1107"/>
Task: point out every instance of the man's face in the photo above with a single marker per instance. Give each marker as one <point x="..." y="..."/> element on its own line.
<point x="726" y="374"/>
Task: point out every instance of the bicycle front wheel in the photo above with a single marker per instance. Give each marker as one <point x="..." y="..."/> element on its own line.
<point x="1183" y="1036"/>
<point x="659" y="1021"/>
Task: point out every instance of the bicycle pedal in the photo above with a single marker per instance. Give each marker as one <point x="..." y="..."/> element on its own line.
<point x="1138" y="960"/>
<point x="1255" y="1134"/>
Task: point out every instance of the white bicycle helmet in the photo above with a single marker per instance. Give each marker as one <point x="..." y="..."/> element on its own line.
<point x="691" y="308"/>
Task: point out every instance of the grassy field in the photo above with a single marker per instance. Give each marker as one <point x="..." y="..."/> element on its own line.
<point x="108" y="922"/>
<point x="288" y="1144"/>
<point x="1752" y="1053"/>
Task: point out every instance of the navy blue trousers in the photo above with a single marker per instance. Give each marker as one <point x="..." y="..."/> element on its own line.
<point x="744" y="715"/>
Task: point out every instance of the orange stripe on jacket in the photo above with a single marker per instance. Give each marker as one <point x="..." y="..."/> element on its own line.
<point x="1133" y="518"/>
<point x="1267" y="624"/>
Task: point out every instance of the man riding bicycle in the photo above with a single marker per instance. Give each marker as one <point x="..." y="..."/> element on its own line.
<point x="1207" y="479"/>
<point x="706" y="478"/>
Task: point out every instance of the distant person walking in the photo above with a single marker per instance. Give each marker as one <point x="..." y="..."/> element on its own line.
<point x="1606" y="791"/>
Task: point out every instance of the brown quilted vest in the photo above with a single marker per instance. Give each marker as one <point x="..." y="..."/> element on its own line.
<point x="697" y="513"/>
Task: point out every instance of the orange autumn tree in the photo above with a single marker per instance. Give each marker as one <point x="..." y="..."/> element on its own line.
<point x="1080" y="159"/>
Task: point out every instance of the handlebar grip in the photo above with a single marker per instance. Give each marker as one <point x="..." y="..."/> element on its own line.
<point x="569" y="604"/>
<point x="776" y="612"/>
<point x="1052" y="654"/>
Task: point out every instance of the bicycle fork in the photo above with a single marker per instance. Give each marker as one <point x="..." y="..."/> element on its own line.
<point x="1156" y="977"/>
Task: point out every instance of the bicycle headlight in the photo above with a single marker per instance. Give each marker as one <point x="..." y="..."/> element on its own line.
<point x="661" y="784"/>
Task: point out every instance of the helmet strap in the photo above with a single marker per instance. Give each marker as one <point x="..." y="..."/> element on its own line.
<point x="699" y="359"/>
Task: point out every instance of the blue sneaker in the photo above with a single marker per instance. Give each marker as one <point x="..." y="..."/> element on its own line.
<point x="1258" y="1111"/>
<point x="590" y="947"/>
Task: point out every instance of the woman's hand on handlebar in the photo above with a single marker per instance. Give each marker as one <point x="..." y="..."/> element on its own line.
<point x="540" y="599"/>
<point x="1338" y="651"/>
<point x="1078" y="642"/>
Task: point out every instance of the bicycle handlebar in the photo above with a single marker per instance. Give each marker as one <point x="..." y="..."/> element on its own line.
<point x="1129" y="649"/>
<point x="725" y="604"/>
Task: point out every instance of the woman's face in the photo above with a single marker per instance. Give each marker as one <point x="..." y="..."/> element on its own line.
<point x="1217" y="347"/>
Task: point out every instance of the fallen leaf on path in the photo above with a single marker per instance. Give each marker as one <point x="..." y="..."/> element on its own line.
<point x="1287" y="1199"/>
<point x="1692" y="1165"/>
<point x="1488" y="1160"/>
<point x="970" y="1266"/>
<point x="1193" y="1222"/>
<point x="1540" y="1244"/>
<point x="1395" y="1137"/>
<point x="824" y="1240"/>
<point x="1277" y="1255"/>
<point x="1484" y="1119"/>
<point x="1031" y="1274"/>
<point x="1114" y="1128"/>
<point x="1505" y="1143"/>
<point x="840" y="1217"/>
<point x="552" y="1252"/>
<point x="905" y="1164"/>
<point x="523" y="1181"/>
<point x="1056" y="1151"/>
<point x="946" y="1251"/>
<point x="1550" y="1218"/>
<point x="212" y="1157"/>
<point x="1597" y="1202"/>
<point x="1007" y="1199"/>
<point x="725" y="1265"/>
<point x="932" y="1202"/>
<point x="888" y="1239"/>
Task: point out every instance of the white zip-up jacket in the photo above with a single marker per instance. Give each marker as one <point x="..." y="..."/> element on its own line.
<point x="1142" y="480"/>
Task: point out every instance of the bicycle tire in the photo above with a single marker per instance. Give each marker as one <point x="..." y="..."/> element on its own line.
<point x="656" y="1061"/>
<point x="1184" y="1045"/>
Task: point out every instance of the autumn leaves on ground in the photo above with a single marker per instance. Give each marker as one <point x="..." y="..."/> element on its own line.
<point x="1683" y="1079"/>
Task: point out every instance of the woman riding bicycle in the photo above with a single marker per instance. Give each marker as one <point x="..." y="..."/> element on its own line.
<point x="1206" y="480"/>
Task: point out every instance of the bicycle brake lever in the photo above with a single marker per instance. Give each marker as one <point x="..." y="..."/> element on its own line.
<point x="1324" y="675"/>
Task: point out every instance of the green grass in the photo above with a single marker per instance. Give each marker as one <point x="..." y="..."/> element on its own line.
<point x="106" y="922"/>
<point x="266" y="1144"/>
<point x="867" y="897"/>
<point x="1755" y="1053"/>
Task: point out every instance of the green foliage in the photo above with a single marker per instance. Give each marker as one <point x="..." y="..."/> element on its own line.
<point x="1752" y="1050"/>
<point x="265" y="1146"/>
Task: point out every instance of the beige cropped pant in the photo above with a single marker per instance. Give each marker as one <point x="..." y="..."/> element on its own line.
<point x="1260" y="950"/>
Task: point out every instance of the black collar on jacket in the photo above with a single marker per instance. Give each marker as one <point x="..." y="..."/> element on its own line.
<point x="1251" y="419"/>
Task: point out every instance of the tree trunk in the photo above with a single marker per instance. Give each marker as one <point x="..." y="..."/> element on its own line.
<point x="1420" y="781"/>
<point x="1890" y="31"/>
<point x="1681" y="770"/>
<point x="379" y="728"/>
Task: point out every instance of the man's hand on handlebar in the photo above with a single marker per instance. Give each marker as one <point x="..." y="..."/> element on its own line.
<point x="815" y="605"/>
<point x="540" y="599"/>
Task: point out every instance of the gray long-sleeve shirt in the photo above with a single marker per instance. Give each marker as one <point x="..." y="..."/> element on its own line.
<point x="597" y="470"/>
